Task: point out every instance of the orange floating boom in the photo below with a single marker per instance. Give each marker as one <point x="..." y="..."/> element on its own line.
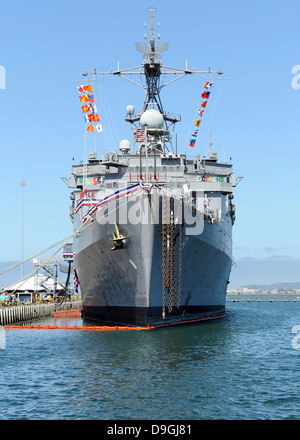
<point x="110" y="328"/>
<point x="65" y="313"/>
<point x="90" y="328"/>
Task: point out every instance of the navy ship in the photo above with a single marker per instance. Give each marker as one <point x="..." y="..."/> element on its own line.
<point x="154" y="228"/>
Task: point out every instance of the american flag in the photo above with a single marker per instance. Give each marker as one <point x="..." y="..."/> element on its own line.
<point x="139" y="134"/>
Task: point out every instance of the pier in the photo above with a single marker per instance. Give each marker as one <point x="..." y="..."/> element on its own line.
<point x="23" y="313"/>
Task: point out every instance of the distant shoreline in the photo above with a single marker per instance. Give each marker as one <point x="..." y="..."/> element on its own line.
<point x="263" y="292"/>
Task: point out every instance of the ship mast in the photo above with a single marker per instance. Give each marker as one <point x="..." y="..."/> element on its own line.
<point x="152" y="67"/>
<point x="152" y="70"/>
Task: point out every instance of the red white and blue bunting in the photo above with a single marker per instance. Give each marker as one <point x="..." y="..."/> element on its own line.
<point x="95" y="204"/>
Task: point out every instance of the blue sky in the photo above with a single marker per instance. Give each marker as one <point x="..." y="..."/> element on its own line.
<point x="253" y="117"/>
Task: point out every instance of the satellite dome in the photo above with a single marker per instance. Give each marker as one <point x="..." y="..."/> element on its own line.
<point x="130" y="110"/>
<point x="152" y="119"/>
<point x="125" y="146"/>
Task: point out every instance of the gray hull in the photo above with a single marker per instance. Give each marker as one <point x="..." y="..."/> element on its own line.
<point x="125" y="286"/>
<point x="172" y="248"/>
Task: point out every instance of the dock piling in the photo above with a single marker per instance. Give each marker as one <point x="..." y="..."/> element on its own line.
<point x="14" y="314"/>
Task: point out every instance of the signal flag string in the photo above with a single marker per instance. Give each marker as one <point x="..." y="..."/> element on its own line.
<point x="89" y="106"/>
<point x="205" y="95"/>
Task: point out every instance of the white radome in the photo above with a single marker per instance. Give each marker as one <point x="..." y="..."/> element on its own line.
<point x="130" y="110"/>
<point x="152" y="119"/>
<point x="125" y="145"/>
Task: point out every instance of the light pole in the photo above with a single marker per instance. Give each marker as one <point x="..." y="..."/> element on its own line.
<point x="23" y="184"/>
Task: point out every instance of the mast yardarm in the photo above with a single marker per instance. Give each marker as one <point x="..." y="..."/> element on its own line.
<point x="153" y="70"/>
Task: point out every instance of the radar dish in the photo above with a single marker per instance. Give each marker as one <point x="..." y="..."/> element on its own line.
<point x="145" y="48"/>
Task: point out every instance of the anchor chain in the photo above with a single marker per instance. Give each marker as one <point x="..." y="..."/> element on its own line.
<point x="164" y="255"/>
<point x="180" y="264"/>
<point x="167" y="232"/>
<point x="168" y="254"/>
<point x="172" y="289"/>
<point x="153" y="214"/>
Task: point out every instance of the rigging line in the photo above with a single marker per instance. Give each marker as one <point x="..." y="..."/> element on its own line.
<point x="142" y="79"/>
<point x="211" y="112"/>
<point x="65" y="240"/>
<point x="33" y="256"/>
<point x="111" y="129"/>
<point x="84" y="174"/>
<point x="22" y="281"/>
<point x="193" y="126"/>
<point x="106" y="136"/>
<point x="113" y="210"/>
<point x="215" y="102"/>
<point x="175" y="79"/>
<point x="204" y="126"/>
<point x="84" y="226"/>
<point x="133" y="82"/>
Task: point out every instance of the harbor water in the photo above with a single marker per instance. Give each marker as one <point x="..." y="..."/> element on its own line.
<point x="244" y="366"/>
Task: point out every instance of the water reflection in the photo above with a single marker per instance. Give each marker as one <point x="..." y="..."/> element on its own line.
<point x="227" y="368"/>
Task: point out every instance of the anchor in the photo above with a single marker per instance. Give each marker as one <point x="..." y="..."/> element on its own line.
<point x="118" y="239"/>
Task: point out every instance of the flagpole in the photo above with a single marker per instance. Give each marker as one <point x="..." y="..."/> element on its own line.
<point x="23" y="184"/>
<point x="146" y="152"/>
<point x="84" y="154"/>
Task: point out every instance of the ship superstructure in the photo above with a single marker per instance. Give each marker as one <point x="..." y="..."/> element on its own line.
<point x="154" y="241"/>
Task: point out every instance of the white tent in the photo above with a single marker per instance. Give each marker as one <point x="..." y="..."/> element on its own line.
<point x="38" y="283"/>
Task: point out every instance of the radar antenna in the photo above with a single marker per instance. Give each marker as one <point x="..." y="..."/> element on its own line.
<point x="152" y="50"/>
<point x="155" y="73"/>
